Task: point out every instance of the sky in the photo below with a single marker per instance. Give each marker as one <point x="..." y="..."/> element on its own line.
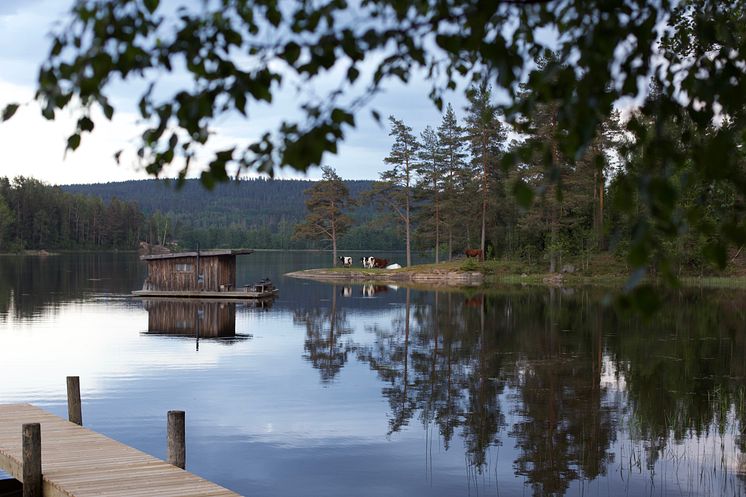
<point x="33" y="146"/>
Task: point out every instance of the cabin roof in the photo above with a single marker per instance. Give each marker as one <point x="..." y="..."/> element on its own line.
<point x="202" y="253"/>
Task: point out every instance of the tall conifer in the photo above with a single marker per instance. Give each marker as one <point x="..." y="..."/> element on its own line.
<point x="396" y="185"/>
<point x="486" y="134"/>
<point x="430" y="168"/>
<point x="452" y="141"/>
<point x="326" y="201"/>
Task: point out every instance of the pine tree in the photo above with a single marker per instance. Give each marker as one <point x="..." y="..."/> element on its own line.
<point x="394" y="191"/>
<point x="570" y="213"/>
<point x="430" y="168"/>
<point x="612" y="140"/>
<point x="5" y="221"/>
<point x="326" y="201"/>
<point x="451" y="139"/>
<point x="486" y="134"/>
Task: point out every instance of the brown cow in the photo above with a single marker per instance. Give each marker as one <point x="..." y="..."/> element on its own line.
<point x="473" y="253"/>
<point x="380" y="263"/>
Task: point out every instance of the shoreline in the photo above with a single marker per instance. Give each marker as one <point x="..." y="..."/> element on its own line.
<point x="448" y="275"/>
<point x="31" y="253"/>
<point x="392" y="276"/>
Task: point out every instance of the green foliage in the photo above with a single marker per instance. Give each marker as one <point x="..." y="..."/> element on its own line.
<point x="34" y="215"/>
<point x="428" y="191"/>
<point x="566" y="210"/>
<point x="9" y="111"/>
<point x="257" y="213"/>
<point x="469" y="264"/>
<point x="394" y="192"/>
<point x="326" y="201"/>
<point x="486" y="135"/>
<point x="238" y="53"/>
<point x="6" y="218"/>
<point x="108" y="40"/>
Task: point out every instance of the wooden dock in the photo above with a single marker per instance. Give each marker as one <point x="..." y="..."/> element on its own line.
<point x="78" y="462"/>
<point x="229" y="295"/>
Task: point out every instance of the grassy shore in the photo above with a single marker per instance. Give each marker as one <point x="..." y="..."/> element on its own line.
<point x="599" y="271"/>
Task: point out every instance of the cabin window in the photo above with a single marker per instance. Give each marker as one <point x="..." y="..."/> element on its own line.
<point x="184" y="268"/>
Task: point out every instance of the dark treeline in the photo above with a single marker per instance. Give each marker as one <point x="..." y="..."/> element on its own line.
<point x="476" y="183"/>
<point x="34" y="215"/>
<point x="461" y="183"/>
<point x="256" y="213"/>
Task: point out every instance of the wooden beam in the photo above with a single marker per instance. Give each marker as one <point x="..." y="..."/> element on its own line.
<point x="32" y="480"/>
<point x="176" y="439"/>
<point x="74" y="408"/>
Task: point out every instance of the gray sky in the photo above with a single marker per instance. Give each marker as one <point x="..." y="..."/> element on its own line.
<point x="32" y="146"/>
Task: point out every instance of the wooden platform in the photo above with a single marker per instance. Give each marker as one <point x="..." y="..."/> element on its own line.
<point x="78" y="462"/>
<point x="190" y="294"/>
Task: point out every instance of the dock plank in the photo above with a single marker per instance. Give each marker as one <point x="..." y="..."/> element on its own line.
<point x="78" y="462"/>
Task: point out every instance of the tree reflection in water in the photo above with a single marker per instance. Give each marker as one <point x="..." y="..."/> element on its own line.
<point x="574" y="385"/>
<point x="325" y="329"/>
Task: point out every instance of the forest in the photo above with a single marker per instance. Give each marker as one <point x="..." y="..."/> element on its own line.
<point x="514" y="192"/>
<point x="250" y="213"/>
<point x="462" y="183"/>
<point x="553" y="176"/>
<point x="34" y="215"/>
<point x="256" y="213"/>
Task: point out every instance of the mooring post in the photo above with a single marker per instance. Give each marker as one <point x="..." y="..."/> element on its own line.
<point x="31" y="460"/>
<point x="176" y="439"/>
<point x="74" y="409"/>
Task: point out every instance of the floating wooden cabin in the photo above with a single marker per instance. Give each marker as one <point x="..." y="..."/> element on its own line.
<point x="206" y="274"/>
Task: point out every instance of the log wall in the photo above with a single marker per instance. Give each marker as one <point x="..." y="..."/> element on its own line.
<point x="180" y="273"/>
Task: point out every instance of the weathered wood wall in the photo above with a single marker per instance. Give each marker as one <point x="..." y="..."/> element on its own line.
<point x="216" y="319"/>
<point x="180" y="273"/>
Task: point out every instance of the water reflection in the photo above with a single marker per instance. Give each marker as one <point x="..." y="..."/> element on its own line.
<point x="198" y="319"/>
<point x="526" y="390"/>
<point x="580" y="390"/>
<point x="325" y="344"/>
<point x="29" y="285"/>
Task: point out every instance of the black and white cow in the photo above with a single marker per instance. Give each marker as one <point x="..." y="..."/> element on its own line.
<point x="346" y="261"/>
<point x="374" y="262"/>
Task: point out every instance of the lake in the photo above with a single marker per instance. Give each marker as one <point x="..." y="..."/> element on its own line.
<point x="350" y="390"/>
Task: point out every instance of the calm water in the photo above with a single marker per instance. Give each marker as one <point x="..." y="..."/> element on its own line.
<point x="383" y="391"/>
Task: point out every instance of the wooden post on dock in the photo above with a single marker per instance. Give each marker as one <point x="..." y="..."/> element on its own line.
<point x="176" y="439"/>
<point x="74" y="409"/>
<point x="31" y="460"/>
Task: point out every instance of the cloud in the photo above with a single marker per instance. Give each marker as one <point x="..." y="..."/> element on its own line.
<point x="23" y="36"/>
<point x="35" y="147"/>
<point x="13" y="7"/>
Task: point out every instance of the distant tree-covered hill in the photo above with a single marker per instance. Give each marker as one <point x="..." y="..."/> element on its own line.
<point x="258" y="213"/>
<point x="35" y="215"/>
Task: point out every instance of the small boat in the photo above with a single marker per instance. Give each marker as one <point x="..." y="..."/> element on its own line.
<point x="262" y="287"/>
